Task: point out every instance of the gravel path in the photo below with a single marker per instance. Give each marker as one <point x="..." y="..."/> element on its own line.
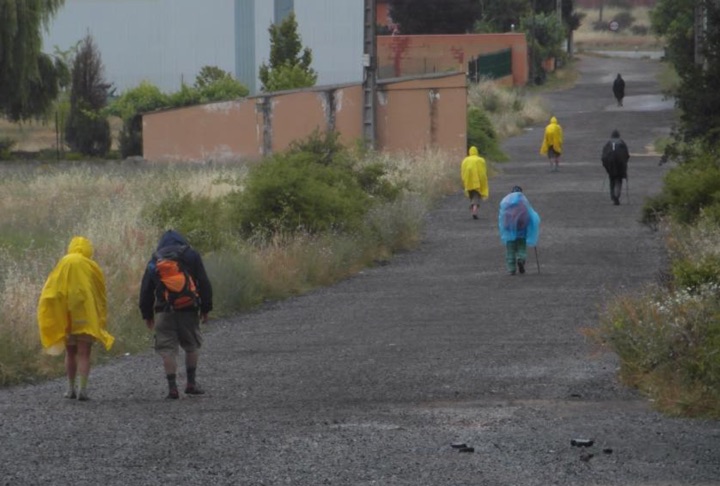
<point x="371" y="381"/>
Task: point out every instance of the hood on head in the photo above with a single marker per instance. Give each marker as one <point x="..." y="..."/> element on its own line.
<point x="615" y="134"/>
<point x="553" y="119"/>
<point x="80" y="244"/>
<point x="473" y="151"/>
<point x="170" y="238"/>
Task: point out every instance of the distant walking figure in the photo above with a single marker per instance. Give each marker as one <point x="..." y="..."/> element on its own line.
<point x="615" y="156"/>
<point x="474" y="177"/>
<point x="552" y="145"/>
<point x="619" y="89"/>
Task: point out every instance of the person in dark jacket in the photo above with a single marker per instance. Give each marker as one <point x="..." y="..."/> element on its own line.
<point x="619" y="89"/>
<point x="615" y="156"/>
<point x="176" y="328"/>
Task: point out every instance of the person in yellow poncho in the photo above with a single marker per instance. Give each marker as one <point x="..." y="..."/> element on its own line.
<point x="475" y="182"/>
<point x="72" y="312"/>
<point x="552" y="145"/>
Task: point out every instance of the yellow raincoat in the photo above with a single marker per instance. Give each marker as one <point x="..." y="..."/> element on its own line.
<point x="553" y="137"/>
<point x="474" y="174"/>
<point x="73" y="300"/>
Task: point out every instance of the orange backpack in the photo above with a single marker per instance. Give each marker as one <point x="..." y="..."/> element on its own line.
<point x="178" y="287"/>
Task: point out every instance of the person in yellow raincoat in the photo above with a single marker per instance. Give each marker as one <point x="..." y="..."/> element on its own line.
<point x="552" y="145"/>
<point x="475" y="182"/>
<point x="72" y="312"/>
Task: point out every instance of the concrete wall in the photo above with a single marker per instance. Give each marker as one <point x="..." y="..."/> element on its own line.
<point x="407" y="55"/>
<point x="412" y="115"/>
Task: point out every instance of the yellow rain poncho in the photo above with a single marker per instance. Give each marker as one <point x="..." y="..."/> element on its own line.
<point x="474" y="174"/>
<point x="73" y="300"/>
<point x="553" y="137"/>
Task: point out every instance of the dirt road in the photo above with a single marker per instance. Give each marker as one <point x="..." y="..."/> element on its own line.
<point x="371" y="381"/>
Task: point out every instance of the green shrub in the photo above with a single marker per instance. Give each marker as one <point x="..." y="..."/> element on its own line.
<point x="668" y="348"/>
<point x="481" y="134"/>
<point x="293" y="192"/>
<point x="6" y="144"/>
<point x="689" y="189"/>
<point x="88" y="132"/>
<point x="624" y="19"/>
<point x="372" y="180"/>
<point x="200" y="219"/>
<point x="694" y="275"/>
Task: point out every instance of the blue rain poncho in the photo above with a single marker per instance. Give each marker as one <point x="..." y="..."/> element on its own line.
<point x="517" y="219"/>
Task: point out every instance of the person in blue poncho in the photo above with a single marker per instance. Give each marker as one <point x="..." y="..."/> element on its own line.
<point x="519" y="227"/>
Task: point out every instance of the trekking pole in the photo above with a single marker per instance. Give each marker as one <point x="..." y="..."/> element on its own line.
<point x="536" y="259"/>
<point x="627" y="189"/>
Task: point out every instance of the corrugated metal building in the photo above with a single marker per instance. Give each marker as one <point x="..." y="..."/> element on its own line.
<point x="167" y="41"/>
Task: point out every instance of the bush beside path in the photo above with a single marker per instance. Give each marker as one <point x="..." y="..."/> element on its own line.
<point x="373" y="380"/>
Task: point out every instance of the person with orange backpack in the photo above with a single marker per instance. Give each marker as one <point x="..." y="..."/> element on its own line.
<point x="175" y="296"/>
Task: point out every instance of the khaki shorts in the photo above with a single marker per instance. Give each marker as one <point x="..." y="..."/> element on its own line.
<point x="474" y="196"/>
<point x="73" y="339"/>
<point x="175" y="330"/>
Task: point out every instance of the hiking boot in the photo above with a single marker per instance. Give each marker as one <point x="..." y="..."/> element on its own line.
<point x="70" y="394"/>
<point x="475" y="216"/>
<point x="82" y="396"/>
<point x="173" y="394"/>
<point x="194" y="390"/>
<point x="521" y="266"/>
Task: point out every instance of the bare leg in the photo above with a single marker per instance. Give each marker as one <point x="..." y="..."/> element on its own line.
<point x="71" y="367"/>
<point x="84" y="349"/>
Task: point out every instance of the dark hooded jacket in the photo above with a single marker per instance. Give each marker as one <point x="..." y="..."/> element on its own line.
<point x="615" y="156"/>
<point x="619" y="87"/>
<point x="151" y="298"/>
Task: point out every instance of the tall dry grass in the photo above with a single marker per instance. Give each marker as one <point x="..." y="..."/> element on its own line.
<point x="667" y="336"/>
<point x="43" y="206"/>
<point x="510" y="109"/>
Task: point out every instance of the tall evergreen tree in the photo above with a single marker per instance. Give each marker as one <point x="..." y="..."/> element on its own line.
<point x="88" y="130"/>
<point x="29" y="79"/>
<point x="289" y="62"/>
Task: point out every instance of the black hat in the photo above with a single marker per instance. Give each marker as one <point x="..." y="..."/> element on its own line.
<point x="517" y="189"/>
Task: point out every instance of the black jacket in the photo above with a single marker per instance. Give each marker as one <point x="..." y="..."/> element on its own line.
<point x="619" y="88"/>
<point x="151" y="299"/>
<point x="615" y="156"/>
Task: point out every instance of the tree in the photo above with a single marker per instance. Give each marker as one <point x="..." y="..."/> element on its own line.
<point x="29" y="78"/>
<point x="545" y="34"/>
<point x="289" y="62"/>
<point x="435" y="17"/>
<point x="88" y="130"/>
<point x="129" y="107"/>
<point x="501" y="15"/>
<point x="215" y="84"/>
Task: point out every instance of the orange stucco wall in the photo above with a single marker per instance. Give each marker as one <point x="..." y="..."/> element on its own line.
<point x="406" y="55"/>
<point x="423" y="114"/>
<point x="411" y="115"/>
<point x="214" y="131"/>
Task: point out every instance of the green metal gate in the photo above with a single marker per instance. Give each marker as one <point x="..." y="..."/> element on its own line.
<point x="494" y="65"/>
